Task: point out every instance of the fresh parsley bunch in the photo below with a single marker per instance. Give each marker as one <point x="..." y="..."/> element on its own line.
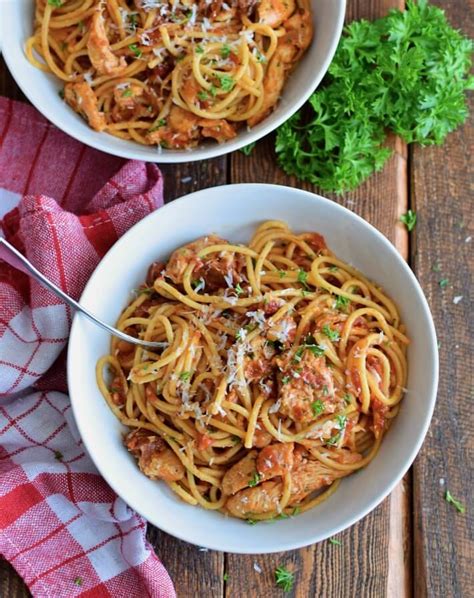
<point x="407" y="72"/>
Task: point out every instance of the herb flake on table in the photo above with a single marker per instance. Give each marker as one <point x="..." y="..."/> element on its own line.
<point x="284" y="579"/>
<point x="409" y="220"/>
<point x="335" y="541"/>
<point x="248" y="149"/>
<point x="453" y="501"/>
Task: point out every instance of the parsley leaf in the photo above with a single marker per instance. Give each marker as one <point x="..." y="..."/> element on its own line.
<point x="285" y="379"/>
<point x="225" y="51"/>
<point x="185" y="376"/>
<point x="251" y="521"/>
<point x="333" y="335"/>
<point x="56" y="3"/>
<point x="443" y="283"/>
<point x="226" y="82"/>
<point x="303" y="277"/>
<point x="317" y="407"/>
<point x="453" y="501"/>
<point x="225" y="577"/>
<point x="238" y="289"/>
<point x="199" y="49"/>
<point x="407" y="73"/>
<point x="284" y="579"/>
<point x="335" y="542"/>
<point x="409" y="220"/>
<point x="254" y="480"/>
<point x="136" y="50"/>
<point x="128" y="93"/>
<point x="342" y="303"/>
<point x="281" y="273"/>
<point x="247" y="150"/>
<point x="160" y="123"/>
<point x="202" y="95"/>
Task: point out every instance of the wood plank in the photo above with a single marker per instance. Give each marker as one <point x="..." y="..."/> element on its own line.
<point x="378" y="548"/>
<point x="443" y="192"/>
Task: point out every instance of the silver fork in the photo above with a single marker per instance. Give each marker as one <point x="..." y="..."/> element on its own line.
<point x="12" y="256"/>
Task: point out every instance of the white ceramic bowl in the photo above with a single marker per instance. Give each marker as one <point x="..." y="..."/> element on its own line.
<point x="233" y="211"/>
<point x="42" y="89"/>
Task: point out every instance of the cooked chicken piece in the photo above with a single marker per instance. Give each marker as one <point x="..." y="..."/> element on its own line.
<point x="299" y="30"/>
<point x="290" y="47"/>
<point x="284" y="331"/>
<point x="310" y="476"/>
<point x="155" y="459"/>
<point x="246" y="6"/>
<point x="190" y="89"/>
<point x="177" y="131"/>
<point x="274" y="12"/>
<point x="181" y="258"/>
<point x="264" y="498"/>
<point x="258" y="366"/>
<point x="101" y="56"/>
<point x="309" y="381"/>
<point x="379" y="411"/>
<point x="211" y="8"/>
<point x="126" y="98"/>
<point x="275" y="460"/>
<point x="220" y="130"/>
<point x="182" y="121"/>
<point x="118" y="391"/>
<point x="240" y="474"/>
<point x="315" y="241"/>
<point x="218" y="270"/>
<point x="261" y="437"/>
<point x="82" y="100"/>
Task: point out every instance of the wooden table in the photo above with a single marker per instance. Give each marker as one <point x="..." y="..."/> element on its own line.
<point x="414" y="543"/>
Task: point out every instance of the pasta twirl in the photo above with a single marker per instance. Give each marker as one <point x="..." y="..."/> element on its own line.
<point x="279" y="371"/>
<point x="170" y="73"/>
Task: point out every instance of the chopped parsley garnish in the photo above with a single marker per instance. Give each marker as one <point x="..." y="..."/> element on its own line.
<point x="317" y="407"/>
<point x="285" y="379"/>
<point x="185" y="376"/>
<point x="133" y="19"/>
<point x="261" y="57"/>
<point x="281" y="273"/>
<point x="303" y="277"/>
<point x="347" y="398"/>
<point x="409" y="220"/>
<point x="213" y="91"/>
<point x="226" y="82"/>
<point x="199" y="49"/>
<point x="251" y="521"/>
<point x="284" y="579"/>
<point x="335" y="542"/>
<point x="453" y="501"/>
<point x="225" y="51"/>
<point x="238" y="289"/>
<point x="296" y="511"/>
<point x="144" y="290"/>
<point x="333" y="268"/>
<point x="325" y="390"/>
<point x="236" y="439"/>
<point x="78" y="581"/>
<point x="443" y="283"/>
<point x="341" y="421"/>
<point x="298" y="354"/>
<point x="436" y="267"/>
<point x="58" y="455"/>
<point x="56" y="3"/>
<point x="61" y="94"/>
<point x="255" y="480"/>
<point x="202" y="95"/>
<point x="342" y="303"/>
<point x="157" y="125"/>
<point x="282" y="516"/>
<point x="247" y="150"/>
<point x="333" y="335"/>
<point x="127" y="93"/>
<point x="136" y="50"/>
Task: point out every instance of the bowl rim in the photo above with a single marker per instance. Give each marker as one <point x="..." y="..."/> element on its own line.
<point x="349" y="521"/>
<point x="201" y="152"/>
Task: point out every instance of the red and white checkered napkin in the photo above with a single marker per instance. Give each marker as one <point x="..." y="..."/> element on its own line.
<point x="61" y="526"/>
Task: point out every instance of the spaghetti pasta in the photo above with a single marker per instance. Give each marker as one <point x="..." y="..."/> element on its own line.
<point x="170" y="73"/>
<point x="280" y="371"/>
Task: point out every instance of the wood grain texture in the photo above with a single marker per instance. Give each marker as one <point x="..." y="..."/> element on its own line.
<point x="442" y="184"/>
